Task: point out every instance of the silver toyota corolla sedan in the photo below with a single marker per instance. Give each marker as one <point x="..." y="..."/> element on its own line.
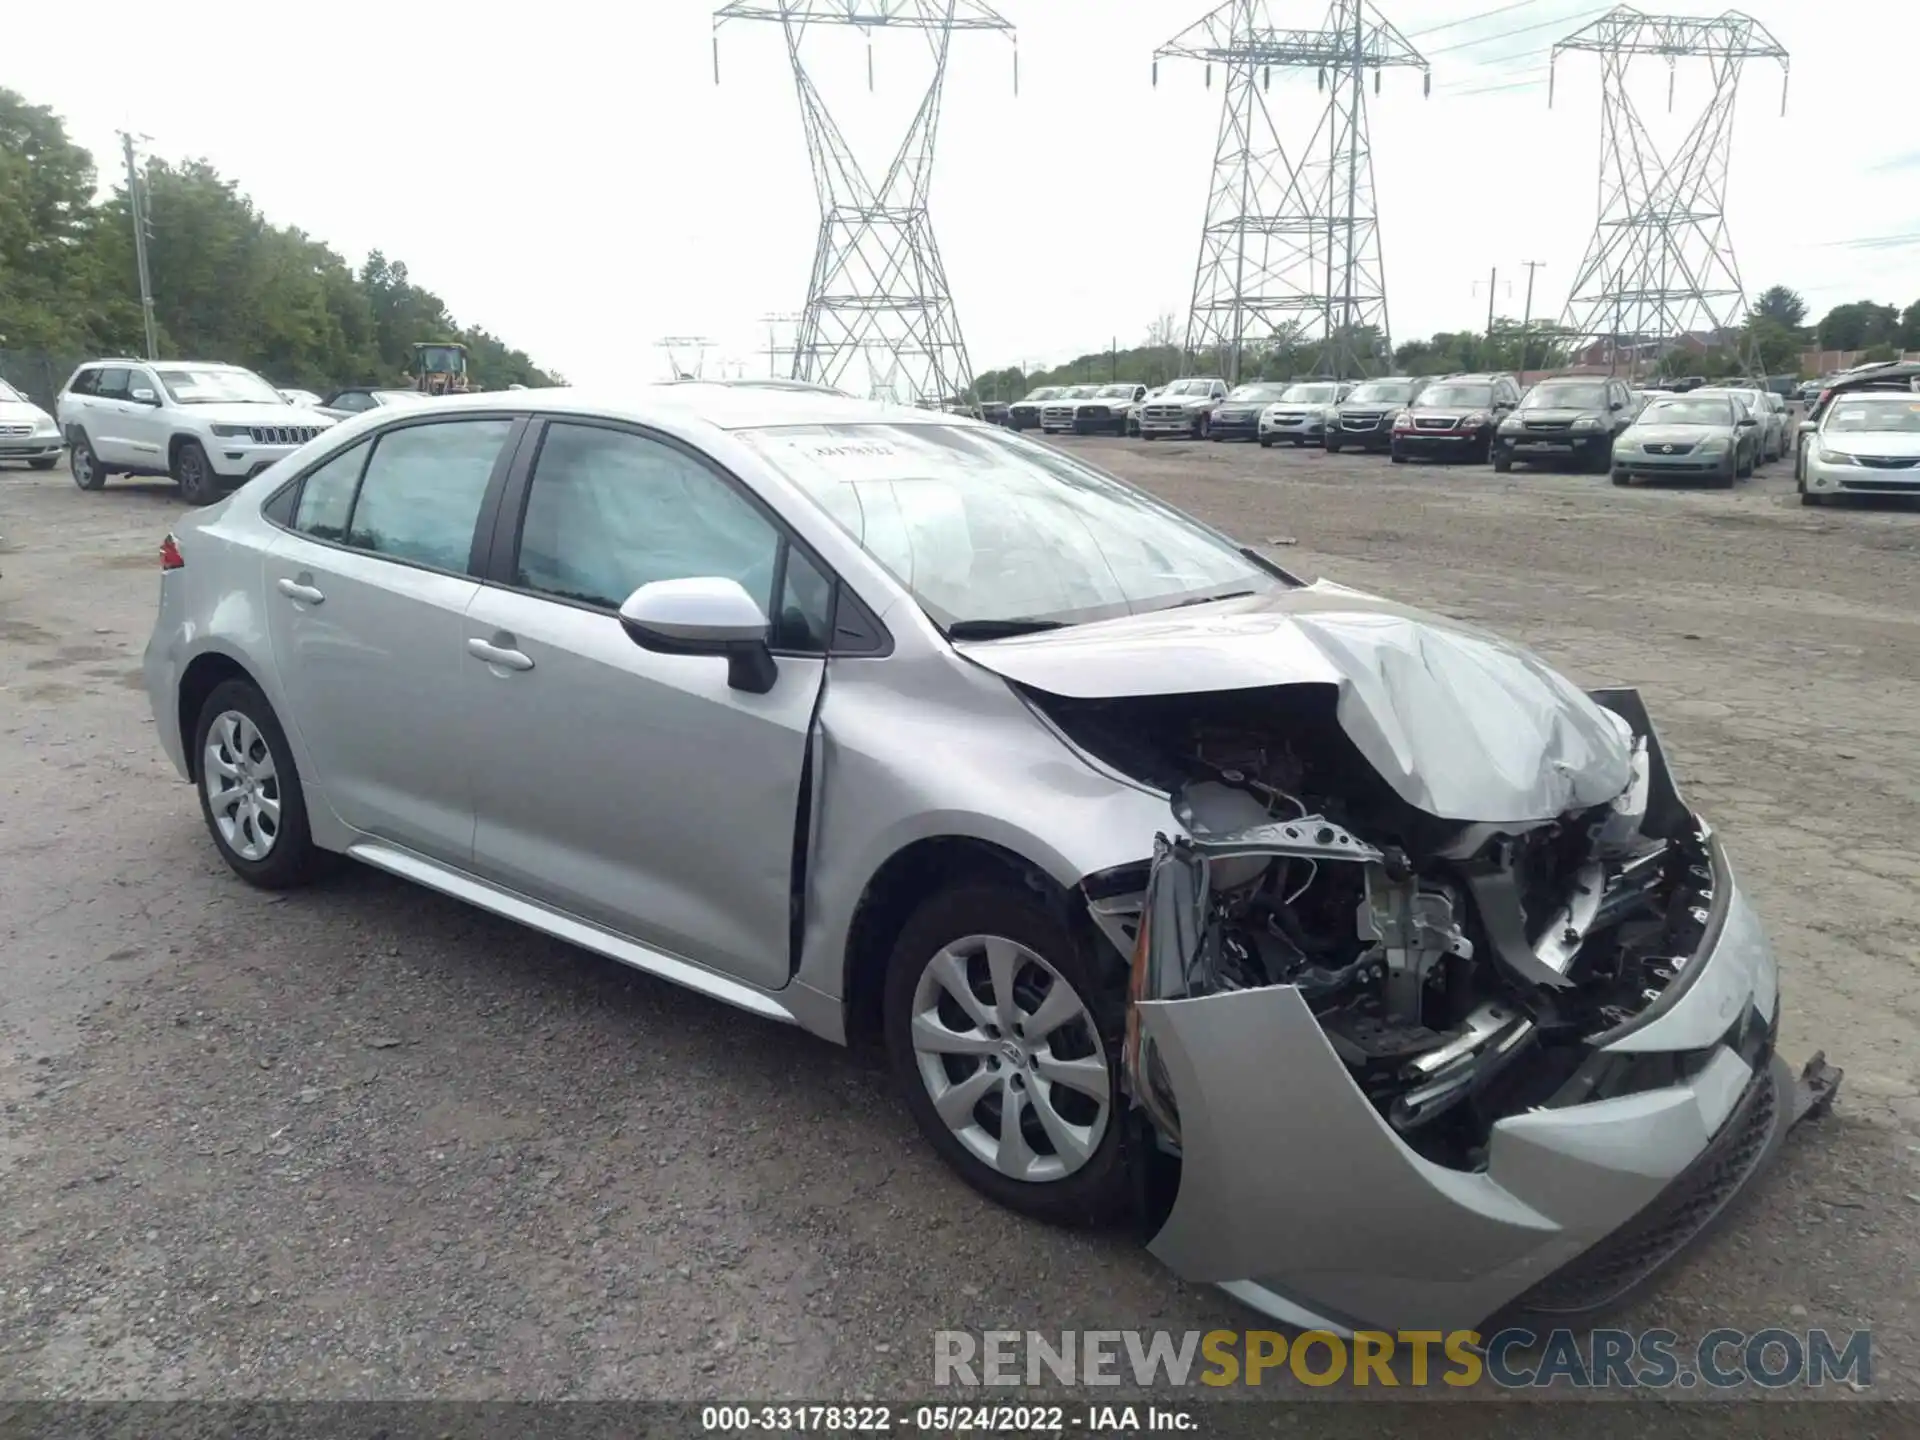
<point x="1381" y="970"/>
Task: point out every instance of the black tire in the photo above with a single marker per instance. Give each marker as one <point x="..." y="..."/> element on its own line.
<point x="193" y="473"/>
<point x="293" y="858"/>
<point x="1622" y="480"/>
<point x="1396" y="457"/>
<point x="1100" y="1189"/>
<point x="1332" y="445"/>
<point x="43" y="462"/>
<point x="1502" y="463"/>
<point x="1809" y="497"/>
<point x="1266" y="442"/>
<point x="83" y="464"/>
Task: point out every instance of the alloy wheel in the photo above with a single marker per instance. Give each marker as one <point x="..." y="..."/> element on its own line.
<point x="81" y="462"/>
<point x="242" y="785"/>
<point x="1011" y="1058"/>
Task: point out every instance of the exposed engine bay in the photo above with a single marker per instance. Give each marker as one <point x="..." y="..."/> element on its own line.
<point x="1461" y="972"/>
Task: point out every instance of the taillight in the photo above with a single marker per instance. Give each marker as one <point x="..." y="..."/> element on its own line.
<point x="170" y="555"/>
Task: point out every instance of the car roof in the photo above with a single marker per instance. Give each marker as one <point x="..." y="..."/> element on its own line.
<point x="723" y="406"/>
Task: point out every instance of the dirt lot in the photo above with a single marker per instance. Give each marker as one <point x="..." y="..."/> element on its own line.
<point x="361" y="1141"/>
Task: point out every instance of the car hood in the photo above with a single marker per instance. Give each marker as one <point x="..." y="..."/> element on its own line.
<point x="1677" y="434"/>
<point x="1462" y="724"/>
<point x="258" y="415"/>
<point x="19" y="412"/>
<point x="1869" y="442"/>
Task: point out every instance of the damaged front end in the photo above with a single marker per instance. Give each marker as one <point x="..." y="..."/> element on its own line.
<point x="1402" y="1072"/>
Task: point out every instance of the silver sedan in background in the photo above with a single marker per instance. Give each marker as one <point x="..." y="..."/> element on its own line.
<point x="1867" y="443"/>
<point x="1698" y="436"/>
<point x="1383" y="971"/>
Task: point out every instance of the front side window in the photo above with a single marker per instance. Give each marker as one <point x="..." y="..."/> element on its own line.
<point x="326" y="495"/>
<point x="985" y="530"/>
<point x="111" y="384"/>
<point x="609" y="511"/>
<point x="209" y="386"/>
<point x="422" y="492"/>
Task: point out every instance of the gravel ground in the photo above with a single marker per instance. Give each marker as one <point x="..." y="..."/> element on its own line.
<point x="361" y="1141"/>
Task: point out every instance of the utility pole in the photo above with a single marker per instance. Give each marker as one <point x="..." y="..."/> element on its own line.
<point x="1493" y="280"/>
<point x="1526" y="317"/>
<point x="137" y="203"/>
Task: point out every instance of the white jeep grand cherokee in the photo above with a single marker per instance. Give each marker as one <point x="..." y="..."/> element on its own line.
<point x="210" y="427"/>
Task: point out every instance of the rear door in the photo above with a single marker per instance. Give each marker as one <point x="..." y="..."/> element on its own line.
<point x="365" y="593"/>
<point x="106" y="416"/>
<point x="635" y="789"/>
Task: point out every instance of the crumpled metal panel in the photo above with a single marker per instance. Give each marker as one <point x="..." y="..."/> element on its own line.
<point x="1462" y="724"/>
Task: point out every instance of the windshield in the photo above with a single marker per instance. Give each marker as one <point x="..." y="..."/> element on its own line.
<point x="7" y="392"/>
<point x="1689" y="410"/>
<point x="218" y="387"/>
<point x="1255" y="392"/>
<point x="442" y="360"/>
<point x="1045" y="392"/>
<point x="982" y="527"/>
<point x="1311" y="394"/>
<point x="1893" y="413"/>
<point x="1565" y="397"/>
<point x="1458" y="395"/>
<point x="1382" y="392"/>
<point x="1078" y="392"/>
<point x="1188" y="387"/>
<point x="1125" y="392"/>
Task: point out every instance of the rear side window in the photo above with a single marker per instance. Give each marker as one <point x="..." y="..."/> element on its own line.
<point x="326" y="495"/>
<point x="421" y="495"/>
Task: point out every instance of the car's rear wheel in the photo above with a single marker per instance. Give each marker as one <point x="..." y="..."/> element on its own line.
<point x="83" y="464"/>
<point x="250" y="792"/>
<point x="193" y="473"/>
<point x="1006" y="1040"/>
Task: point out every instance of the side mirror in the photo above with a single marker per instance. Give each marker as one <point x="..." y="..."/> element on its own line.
<point x="1618" y="405"/>
<point x="707" y="615"/>
<point x="143" y="396"/>
<point x="1807" y="427"/>
<point x="1746" y="421"/>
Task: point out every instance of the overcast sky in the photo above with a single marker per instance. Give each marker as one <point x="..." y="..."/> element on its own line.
<point x="569" y="175"/>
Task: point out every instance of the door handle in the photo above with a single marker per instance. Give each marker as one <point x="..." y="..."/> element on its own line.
<point x="305" y="594"/>
<point x="496" y="655"/>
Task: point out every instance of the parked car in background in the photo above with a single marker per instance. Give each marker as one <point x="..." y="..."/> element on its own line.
<point x="1899" y="377"/>
<point x="1454" y="418"/>
<point x="1183" y="407"/>
<point x="210" y="427"/>
<point x="1866" y="443"/>
<point x="1024" y="414"/>
<point x="1134" y="849"/>
<point x="1688" y="437"/>
<point x="1772" y="438"/>
<point x="1299" y="416"/>
<point x="358" y="399"/>
<point x="306" y="399"/>
<point x="1133" y="410"/>
<point x="1364" y="419"/>
<point x="1105" y="411"/>
<point x="1238" y="416"/>
<point x="1565" y="420"/>
<point x="1056" y="416"/>
<point x="26" y="431"/>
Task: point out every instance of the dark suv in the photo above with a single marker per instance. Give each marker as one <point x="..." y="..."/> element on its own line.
<point x="1565" y="418"/>
<point x="1454" y="418"/>
<point x="1364" y="420"/>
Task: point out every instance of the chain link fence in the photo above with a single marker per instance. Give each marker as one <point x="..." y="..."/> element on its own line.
<point x="38" y="374"/>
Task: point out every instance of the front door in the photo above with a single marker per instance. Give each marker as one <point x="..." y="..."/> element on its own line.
<point x="366" y="603"/>
<point x="634" y="789"/>
<point x="147" y="431"/>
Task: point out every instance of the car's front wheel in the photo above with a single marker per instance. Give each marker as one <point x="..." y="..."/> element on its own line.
<point x="250" y="792"/>
<point x="1006" y="1040"/>
<point x="193" y="473"/>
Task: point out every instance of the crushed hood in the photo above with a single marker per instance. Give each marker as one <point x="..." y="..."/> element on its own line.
<point x="1462" y="724"/>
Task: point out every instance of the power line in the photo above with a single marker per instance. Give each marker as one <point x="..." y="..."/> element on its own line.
<point x="1553" y="24"/>
<point x="1470" y="19"/>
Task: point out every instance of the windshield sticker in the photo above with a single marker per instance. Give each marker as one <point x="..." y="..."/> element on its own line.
<point x="1850" y="415"/>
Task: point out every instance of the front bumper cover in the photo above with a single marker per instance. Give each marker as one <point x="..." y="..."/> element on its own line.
<point x="1296" y="1196"/>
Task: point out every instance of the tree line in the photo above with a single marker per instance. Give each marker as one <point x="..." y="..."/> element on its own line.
<point x="1775" y="331"/>
<point x="227" y="284"/>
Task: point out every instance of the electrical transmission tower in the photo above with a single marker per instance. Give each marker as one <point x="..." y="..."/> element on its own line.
<point x="878" y="293"/>
<point x="677" y="346"/>
<point x="1660" y="265"/>
<point x="1290" y="251"/>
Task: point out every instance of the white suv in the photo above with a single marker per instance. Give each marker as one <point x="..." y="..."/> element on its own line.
<point x="210" y="427"/>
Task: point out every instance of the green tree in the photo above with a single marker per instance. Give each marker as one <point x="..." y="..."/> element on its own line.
<point x="1910" y="327"/>
<point x="1858" y="325"/>
<point x="1776" y="345"/>
<point x="1782" y="306"/>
